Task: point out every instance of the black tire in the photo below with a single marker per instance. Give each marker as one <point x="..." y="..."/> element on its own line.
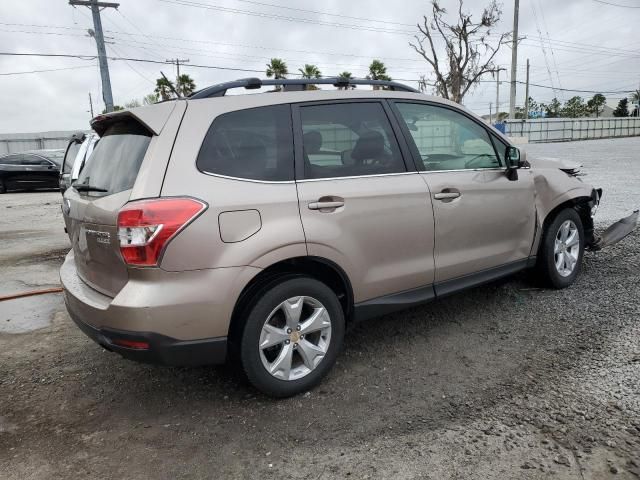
<point x="3" y="189"/>
<point x="547" y="273"/>
<point x="267" y="300"/>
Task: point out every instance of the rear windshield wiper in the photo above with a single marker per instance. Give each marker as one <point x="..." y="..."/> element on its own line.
<point x="88" y="188"/>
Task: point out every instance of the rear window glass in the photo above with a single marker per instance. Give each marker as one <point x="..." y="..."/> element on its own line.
<point x="255" y="144"/>
<point x="116" y="159"/>
<point x="70" y="157"/>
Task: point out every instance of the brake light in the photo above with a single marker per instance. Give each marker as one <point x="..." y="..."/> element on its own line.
<point x="145" y="227"/>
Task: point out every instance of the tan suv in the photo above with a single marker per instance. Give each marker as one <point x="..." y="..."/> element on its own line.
<point x="257" y="227"/>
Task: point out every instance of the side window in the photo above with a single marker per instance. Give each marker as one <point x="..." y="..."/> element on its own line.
<point x="33" y="160"/>
<point x="348" y="139"/>
<point x="448" y="140"/>
<point x="10" y="160"/>
<point x="255" y="144"/>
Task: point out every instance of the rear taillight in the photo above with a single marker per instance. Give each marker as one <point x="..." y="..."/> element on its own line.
<point x="146" y="226"/>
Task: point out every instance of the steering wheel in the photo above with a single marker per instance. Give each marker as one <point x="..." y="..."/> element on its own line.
<point x="470" y="163"/>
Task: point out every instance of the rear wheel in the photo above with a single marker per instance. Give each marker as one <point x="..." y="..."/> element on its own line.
<point x="561" y="250"/>
<point x="292" y="336"/>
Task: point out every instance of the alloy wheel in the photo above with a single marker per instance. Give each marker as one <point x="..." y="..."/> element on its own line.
<point x="566" y="249"/>
<point x="295" y="338"/>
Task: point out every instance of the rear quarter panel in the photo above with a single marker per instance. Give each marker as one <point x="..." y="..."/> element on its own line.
<point x="199" y="246"/>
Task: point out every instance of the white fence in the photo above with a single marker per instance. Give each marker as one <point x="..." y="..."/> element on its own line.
<point x="19" y="142"/>
<point x="568" y="129"/>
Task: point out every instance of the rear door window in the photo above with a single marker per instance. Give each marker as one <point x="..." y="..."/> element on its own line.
<point x="255" y="144"/>
<point x="348" y="139"/>
<point x="115" y="162"/>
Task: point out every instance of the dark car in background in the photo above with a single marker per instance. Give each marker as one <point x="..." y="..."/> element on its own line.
<point x="30" y="170"/>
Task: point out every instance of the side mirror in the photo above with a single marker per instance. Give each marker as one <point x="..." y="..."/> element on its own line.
<point x="513" y="157"/>
<point x="513" y="163"/>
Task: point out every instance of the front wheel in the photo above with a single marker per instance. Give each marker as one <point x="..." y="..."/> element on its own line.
<point x="292" y="336"/>
<point x="561" y="250"/>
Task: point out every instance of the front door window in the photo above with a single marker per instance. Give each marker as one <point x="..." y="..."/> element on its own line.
<point x="447" y="140"/>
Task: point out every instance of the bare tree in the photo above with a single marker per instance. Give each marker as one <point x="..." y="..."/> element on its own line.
<point x="469" y="50"/>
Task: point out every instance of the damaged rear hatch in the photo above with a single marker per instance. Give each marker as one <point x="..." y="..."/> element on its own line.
<point x="92" y="204"/>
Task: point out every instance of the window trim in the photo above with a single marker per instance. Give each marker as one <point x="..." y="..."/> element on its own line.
<point x="243" y="179"/>
<point x="415" y="153"/>
<point x="405" y="153"/>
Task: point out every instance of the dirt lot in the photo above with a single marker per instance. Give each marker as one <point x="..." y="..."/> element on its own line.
<point x="504" y="381"/>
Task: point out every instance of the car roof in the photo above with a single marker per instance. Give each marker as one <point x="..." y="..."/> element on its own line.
<point x="154" y="116"/>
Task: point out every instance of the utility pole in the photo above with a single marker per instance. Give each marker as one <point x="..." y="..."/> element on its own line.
<point x="177" y="62"/>
<point x="491" y="113"/>
<point x="95" y="6"/>
<point x="526" y="95"/>
<point x="514" y="59"/>
<point x="90" y="105"/>
<point x="498" y="92"/>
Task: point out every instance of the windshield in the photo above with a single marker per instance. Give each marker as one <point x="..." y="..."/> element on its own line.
<point x="113" y="166"/>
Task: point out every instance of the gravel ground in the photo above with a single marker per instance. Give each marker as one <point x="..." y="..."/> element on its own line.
<point x="503" y="381"/>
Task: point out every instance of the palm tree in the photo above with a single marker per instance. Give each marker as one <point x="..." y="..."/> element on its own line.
<point x="277" y="68"/>
<point x="185" y="85"/>
<point x="163" y="88"/>
<point x="377" y="71"/>
<point x="310" y="71"/>
<point x="347" y="76"/>
<point x="150" y="99"/>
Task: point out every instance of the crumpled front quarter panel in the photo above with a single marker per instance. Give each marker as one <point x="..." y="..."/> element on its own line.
<point x="554" y="187"/>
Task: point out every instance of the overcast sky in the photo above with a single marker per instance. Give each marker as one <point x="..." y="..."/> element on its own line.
<point x="587" y="46"/>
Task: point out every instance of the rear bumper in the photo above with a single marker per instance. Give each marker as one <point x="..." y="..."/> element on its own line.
<point x="181" y="318"/>
<point x="161" y="350"/>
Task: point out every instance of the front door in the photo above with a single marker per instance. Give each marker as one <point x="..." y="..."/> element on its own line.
<point x="483" y="220"/>
<point x="360" y="205"/>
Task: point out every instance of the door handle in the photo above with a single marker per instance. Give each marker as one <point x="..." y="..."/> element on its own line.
<point x="446" y="195"/>
<point x="323" y="205"/>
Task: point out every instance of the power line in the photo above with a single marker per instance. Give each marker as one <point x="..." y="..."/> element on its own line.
<point x="190" y="3"/>
<point x="46" y="70"/>
<point x="217" y="67"/>
<point x="616" y="4"/>
<point x="326" y="13"/>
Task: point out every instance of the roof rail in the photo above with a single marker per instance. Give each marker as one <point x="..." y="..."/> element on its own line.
<point x="289" y="84"/>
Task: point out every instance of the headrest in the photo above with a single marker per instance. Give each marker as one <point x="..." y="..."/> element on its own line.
<point x="312" y="142"/>
<point x="369" y="145"/>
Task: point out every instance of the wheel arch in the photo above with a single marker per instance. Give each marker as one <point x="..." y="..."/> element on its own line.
<point x="320" y="268"/>
<point x="582" y="204"/>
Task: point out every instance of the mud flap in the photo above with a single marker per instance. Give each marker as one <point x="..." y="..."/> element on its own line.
<point x="615" y="232"/>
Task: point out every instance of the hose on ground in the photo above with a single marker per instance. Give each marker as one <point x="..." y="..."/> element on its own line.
<point x="30" y="293"/>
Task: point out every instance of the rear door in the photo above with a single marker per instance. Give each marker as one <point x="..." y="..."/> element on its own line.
<point x="482" y="219"/>
<point x="360" y="205"/>
<point x="91" y="215"/>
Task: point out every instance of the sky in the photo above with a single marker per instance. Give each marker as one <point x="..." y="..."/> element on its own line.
<point x="571" y="44"/>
